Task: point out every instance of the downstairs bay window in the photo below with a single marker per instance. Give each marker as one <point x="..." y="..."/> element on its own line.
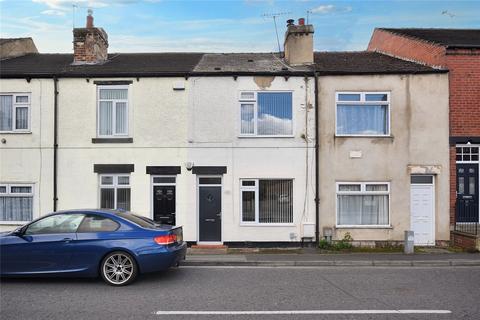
<point x="115" y="191"/>
<point x="266" y="201"/>
<point x="16" y="203"/>
<point x="363" y="204"/>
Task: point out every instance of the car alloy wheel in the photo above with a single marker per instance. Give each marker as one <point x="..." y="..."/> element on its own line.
<point x="119" y="269"/>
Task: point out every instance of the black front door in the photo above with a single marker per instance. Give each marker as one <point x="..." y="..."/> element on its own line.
<point x="210" y="213"/>
<point x="164" y="204"/>
<point x="467" y="192"/>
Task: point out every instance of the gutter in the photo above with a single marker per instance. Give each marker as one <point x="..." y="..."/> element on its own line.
<point x="211" y="74"/>
<point x="55" y="141"/>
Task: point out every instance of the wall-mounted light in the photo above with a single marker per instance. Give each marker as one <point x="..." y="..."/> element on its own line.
<point x="189" y="165"/>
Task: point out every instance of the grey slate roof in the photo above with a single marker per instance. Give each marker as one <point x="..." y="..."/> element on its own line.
<point x="365" y="62"/>
<point x="246" y="63"/>
<point x="452" y="38"/>
<point x="6" y="40"/>
<point x="122" y="64"/>
<point x="215" y="64"/>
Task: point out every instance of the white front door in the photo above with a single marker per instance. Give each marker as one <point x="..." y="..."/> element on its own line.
<point x="422" y="209"/>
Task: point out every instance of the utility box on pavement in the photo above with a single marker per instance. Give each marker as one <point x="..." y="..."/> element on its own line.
<point x="408" y="246"/>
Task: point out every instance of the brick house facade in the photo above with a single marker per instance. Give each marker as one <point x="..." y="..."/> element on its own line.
<point x="458" y="51"/>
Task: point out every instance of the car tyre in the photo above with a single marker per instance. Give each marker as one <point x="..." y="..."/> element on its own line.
<point x="118" y="269"/>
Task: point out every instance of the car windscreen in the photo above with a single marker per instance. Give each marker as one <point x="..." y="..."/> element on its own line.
<point x="139" y="221"/>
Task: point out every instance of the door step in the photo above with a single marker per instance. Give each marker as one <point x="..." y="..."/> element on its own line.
<point x="208" y="249"/>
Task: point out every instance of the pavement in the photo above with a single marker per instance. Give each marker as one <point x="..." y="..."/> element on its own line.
<point x="325" y="260"/>
<point x="257" y="293"/>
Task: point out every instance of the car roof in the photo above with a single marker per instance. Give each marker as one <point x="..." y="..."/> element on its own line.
<point x="106" y="211"/>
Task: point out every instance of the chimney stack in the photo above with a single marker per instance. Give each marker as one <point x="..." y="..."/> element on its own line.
<point x="298" y="43"/>
<point x="90" y="44"/>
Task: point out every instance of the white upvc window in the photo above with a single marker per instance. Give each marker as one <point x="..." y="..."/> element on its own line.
<point x="115" y="191"/>
<point x="266" y="114"/>
<point x="16" y="203"/>
<point x="363" y="204"/>
<point x="112" y="110"/>
<point x="15" y="112"/>
<point x="362" y="114"/>
<point x="266" y="201"/>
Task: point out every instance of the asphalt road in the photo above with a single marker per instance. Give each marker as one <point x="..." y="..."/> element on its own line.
<point x="312" y="291"/>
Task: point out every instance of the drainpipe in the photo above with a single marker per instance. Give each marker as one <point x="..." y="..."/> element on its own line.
<point x="317" y="174"/>
<point x="55" y="140"/>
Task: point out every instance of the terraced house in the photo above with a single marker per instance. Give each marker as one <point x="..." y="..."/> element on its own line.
<point x="239" y="148"/>
<point x="459" y="51"/>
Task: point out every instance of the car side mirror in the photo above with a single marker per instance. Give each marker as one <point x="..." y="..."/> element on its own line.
<point x="18" y="232"/>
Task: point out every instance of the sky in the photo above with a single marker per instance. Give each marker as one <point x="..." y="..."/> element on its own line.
<point x="223" y="26"/>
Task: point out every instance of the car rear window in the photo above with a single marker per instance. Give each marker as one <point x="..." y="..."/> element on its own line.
<point x="132" y="218"/>
<point x="93" y="223"/>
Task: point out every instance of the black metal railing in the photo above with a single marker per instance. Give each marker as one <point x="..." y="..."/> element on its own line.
<point x="466" y="218"/>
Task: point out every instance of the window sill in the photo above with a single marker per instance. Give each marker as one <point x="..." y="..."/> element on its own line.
<point x="363" y="136"/>
<point x="267" y="225"/>
<point x="364" y="227"/>
<point x="14" y="223"/>
<point x="266" y="136"/>
<point x="15" y="132"/>
<point x="112" y="140"/>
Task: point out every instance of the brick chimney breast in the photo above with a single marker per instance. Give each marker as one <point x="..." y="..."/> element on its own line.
<point x="299" y="43"/>
<point x="90" y="44"/>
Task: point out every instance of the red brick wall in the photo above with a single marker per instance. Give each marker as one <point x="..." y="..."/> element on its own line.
<point x="464" y="93"/>
<point x="463" y="241"/>
<point x="407" y="48"/>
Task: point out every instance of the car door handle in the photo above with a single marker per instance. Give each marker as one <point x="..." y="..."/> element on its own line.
<point x="210" y="220"/>
<point x="67" y="239"/>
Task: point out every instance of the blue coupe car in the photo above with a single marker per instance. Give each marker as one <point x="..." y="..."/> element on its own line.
<point x="116" y="245"/>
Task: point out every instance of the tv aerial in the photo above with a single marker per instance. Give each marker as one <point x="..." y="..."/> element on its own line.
<point x="274" y="17"/>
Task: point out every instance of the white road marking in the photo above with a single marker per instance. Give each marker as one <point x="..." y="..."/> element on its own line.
<point x="291" y="312"/>
<point x="329" y="267"/>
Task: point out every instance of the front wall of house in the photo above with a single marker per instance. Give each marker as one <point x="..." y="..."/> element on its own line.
<point x="199" y="124"/>
<point x="27" y="158"/>
<point x="214" y="140"/>
<point x="419" y="138"/>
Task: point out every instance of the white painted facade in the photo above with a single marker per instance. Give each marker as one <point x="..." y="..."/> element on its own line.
<point x="27" y="158"/>
<point x="200" y="124"/>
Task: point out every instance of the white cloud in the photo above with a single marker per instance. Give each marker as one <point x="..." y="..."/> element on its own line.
<point x="329" y="8"/>
<point x="67" y="4"/>
<point x="270" y="125"/>
<point x="53" y="12"/>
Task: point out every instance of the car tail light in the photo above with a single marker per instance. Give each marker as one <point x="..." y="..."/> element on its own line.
<point x="165" y="239"/>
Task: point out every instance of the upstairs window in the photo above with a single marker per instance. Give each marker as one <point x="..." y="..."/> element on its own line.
<point x="266" y="114"/>
<point x="363" y="113"/>
<point x="112" y="111"/>
<point x="15" y="112"/>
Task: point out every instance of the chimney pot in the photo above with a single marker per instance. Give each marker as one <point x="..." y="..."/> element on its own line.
<point x="90" y="19"/>
<point x="301" y="21"/>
